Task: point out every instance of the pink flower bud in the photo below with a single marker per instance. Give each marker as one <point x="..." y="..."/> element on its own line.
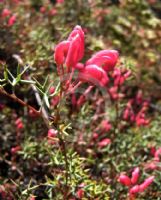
<point x="146" y="183"/>
<point x="53" y="12"/>
<point x="106" y="59"/>
<point x="52" y="133"/>
<point x="80" y="193"/>
<point x="61" y="51"/>
<point x="59" y="1"/>
<point x="94" y="75"/>
<point x="42" y="9"/>
<point x="125" y="180"/>
<point x="70" y="52"/>
<point x="15" y="149"/>
<point x="52" y="90"/>
<point x="135" y="189"/>
<point x="12" y="20"/>
<point x="95" y="136"/>
<point x="19" y="124"/>
<point x="6" y="12"/>
<point x="135" y="175"/>
<point x="157" y="154"/>
<point x="104" y="142"/>
<point x="105" y="126"/>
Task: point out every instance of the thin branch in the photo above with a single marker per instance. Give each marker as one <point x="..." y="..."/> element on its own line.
<point x="16" y="99"/>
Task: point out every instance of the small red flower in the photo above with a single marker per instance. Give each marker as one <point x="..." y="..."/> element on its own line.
<point x="104" y="142"/>
<point x="12" y="20"/>
<point x="5" y="12"/>
<point x="135" y="175"/>
<point x="106" y="59"/>
<point x="125" y="180"/>
<point x="94" y="75"/>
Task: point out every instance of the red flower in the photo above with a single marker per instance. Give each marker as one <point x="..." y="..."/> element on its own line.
<point x="80" y="193"/>
<point x="52" y="133"/>
<point x="6" y="12"/>
<point x="135" y="189"/>
<point x="106" y="59"/>
<point x="146" y="183"/>
<point x="15" y="149"/>
<point x="12" y="20"/>
<point x="19" y="124"/>
<point x="135" y="175"/>
<point x="71" y="51"/>
<point x="104" y="142"/>
<point x="125" y="180"/>
<point x="93" y="74"/>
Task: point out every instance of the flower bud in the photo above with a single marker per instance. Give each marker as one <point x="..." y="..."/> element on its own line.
<point x="125" y="180"/>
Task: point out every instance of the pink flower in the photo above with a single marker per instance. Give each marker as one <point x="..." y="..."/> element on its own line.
<point x="6" y="12"/>
<point x="53" y="12"/>
<point x="113" y="91"/>
<point x="59" y="1"/>
<point x="157" y="154"/>
<point x="55" y="101"/>
<point x="94" y="75"/>
<point x="80" y="193"/>
<point x="42" y="9"/>
<point x="71" y="51"/>
<point x="52" y="90"/>
<point x="135" y="189"/>
<point x="104" y="142"/>
<point x="15" y="149"/>
<point x="105" y="125"/>
<point x="146" y="183"/>
<point x="52" y="133"/>
<point x="106" y="59"/>
<point x="19" y="124"/>
<point x="12" y="20"/>
<point x="135" y="175"/>
<point x="125" y="180"/>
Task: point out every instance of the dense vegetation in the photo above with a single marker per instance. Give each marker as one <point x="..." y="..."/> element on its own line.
<point x="80" y="99"/>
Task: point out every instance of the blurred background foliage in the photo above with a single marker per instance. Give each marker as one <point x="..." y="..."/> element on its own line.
<point x="133" y="27"/>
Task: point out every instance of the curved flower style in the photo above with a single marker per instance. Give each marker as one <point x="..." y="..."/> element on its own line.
<point x="106" y="59"/>
<point x="94" y="75"/>
<point x="70" y="51"/>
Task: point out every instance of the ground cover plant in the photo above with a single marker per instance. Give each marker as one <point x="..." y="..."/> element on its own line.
<point x="80" y="100"/>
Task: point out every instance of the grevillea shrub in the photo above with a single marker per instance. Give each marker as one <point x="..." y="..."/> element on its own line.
<point x="77" y="121"/>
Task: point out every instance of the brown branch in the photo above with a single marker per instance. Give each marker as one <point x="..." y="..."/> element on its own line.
<point x="16" y="99"/>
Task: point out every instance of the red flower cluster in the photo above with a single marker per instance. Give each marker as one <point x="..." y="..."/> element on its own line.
<point x="71" y="51"/>
<point x="134" y="188"/>
<point x="138" y="116"/>
<point x="7" y="13"/>
<point x="155" y="163"/>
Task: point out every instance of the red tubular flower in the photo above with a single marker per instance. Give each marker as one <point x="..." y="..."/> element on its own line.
<point x="93" y="74"/>
<point x="15" y="149"/>
<point x="80" y="193"/>
<point x="52" y="133"/>
<point x="157" y="154"/>
<point x="71" y="51"/>
<point x="146" y="183"/>
<point x="106" y="59"/>
<point x="104" y="142"/>
<point x="12" y="20"/>
<point x="6" y="12"/>
<point x="125" y="180"/>
<point x="135" y="175"/>
<point x="135" y="189"/>
<point x="61" y="51"/>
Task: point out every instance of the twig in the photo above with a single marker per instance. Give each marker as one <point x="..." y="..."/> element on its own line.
<point x="15" y="98"/>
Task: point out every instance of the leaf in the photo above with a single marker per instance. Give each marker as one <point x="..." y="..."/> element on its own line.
<point x="46" y="100"/>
